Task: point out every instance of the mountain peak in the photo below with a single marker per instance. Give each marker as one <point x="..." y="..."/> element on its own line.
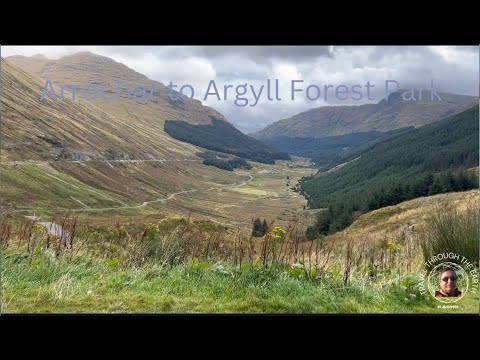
<point x="39" y="57"/>
<point x="85" y="56"/>
<point x="86" y="65"/>
<point x="89" y="68"/>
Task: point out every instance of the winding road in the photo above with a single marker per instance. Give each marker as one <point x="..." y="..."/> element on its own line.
<point x="146" y="203"/>
<point x="62" y="234"/>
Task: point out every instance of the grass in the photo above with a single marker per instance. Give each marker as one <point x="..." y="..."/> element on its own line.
<point x="133" y="267"/>
<point x="449" y="231"/>
<point x="40" y="186"/>
<point x="86" y="286"/>
<point x="251" y="191"/>
<point x="377" y="217"/>
<point x="408" y="216"/>
<point x="107" y="189"/>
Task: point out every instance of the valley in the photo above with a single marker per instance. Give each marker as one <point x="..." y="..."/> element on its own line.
<point x="113" y="190"/>
<point x="109" y="160"/>
<point x="160" y="204"/>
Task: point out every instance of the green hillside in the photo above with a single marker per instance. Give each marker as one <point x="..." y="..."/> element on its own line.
<point x="427" y="161"/>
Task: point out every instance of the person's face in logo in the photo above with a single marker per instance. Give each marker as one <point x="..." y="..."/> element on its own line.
<point x="448" y="282"/>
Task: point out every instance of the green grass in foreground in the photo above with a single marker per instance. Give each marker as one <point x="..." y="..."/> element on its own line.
<point x="50" y="285"/>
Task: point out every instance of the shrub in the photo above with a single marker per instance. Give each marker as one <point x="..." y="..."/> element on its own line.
<point x="452" y="231"/>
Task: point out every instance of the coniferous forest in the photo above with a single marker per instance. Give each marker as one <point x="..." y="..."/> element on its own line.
<point x="223" y="137"/>
<point x="431" y="160"/>
<point x="327" y="151"/>
<point x="223" y="161"/>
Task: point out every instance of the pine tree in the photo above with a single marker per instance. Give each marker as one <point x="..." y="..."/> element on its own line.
<point x="437" y="187"/>
<point x="257" y="228"/>
<point x="264" y="227"/>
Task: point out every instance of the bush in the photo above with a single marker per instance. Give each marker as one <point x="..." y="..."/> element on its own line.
<point x="452" y="231"/>
<point x="259" y="228"/>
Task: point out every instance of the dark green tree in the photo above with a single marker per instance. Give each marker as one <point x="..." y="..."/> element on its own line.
<point x="438" y="186"/>
<point x="257" y="230"/>
<point x="264" y="227"/>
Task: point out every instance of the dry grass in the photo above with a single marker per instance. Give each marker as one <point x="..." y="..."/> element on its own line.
<point x="393" y="221"/>
<point x="120" y="188"/>
<point x="381" y="275"/>
<point x="388" y="239"/>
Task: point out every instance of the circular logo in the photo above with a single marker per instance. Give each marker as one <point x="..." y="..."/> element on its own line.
<point x="447" y="282"/>
<point x="449" y="277"/>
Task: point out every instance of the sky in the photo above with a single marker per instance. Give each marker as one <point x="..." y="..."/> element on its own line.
<point x="453" y="69"/>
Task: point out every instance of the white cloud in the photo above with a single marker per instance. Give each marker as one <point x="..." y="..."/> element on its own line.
<point x="193" y="71"/>
<point x="456" y="55"/>
<point x="454" y="68"/>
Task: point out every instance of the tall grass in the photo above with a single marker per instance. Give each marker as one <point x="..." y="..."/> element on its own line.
<point x="452" y="231"/>
<point x="185" y="265"/>
<point x="55" y="284"/>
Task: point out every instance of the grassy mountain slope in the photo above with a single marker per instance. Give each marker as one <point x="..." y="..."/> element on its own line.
<point x="146" y="115"/>
<point x="69" y="129"/>
<point x="50" y="186"/>
<point x="86" y="68"/>
<point x="407" y="217"/>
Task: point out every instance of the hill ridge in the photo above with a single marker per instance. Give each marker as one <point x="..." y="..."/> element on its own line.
<point x="321" y="122"/>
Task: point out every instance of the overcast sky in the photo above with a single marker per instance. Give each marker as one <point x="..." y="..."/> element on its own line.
<point x="453" y="69"/>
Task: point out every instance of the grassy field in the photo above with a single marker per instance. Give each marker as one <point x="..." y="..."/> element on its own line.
<point x="87" y="286"/>
<point x="43" y="187"/>
<point x="109" y="191"/>
<point x="183" y="265"/>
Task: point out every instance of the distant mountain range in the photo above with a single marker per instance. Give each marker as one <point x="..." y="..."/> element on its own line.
<point x="330" y="133"/>
<point x="82" y="130"/>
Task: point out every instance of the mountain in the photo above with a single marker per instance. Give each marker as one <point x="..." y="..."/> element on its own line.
<point x="76" y="130"/>
<point x="429" y="160"/>
<point x="32" y="64"/>
<point x="141" y="120"/>
<point x="330" y="133"/>
<point x="35" y="134"/>
<point x="86" y="68"/>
